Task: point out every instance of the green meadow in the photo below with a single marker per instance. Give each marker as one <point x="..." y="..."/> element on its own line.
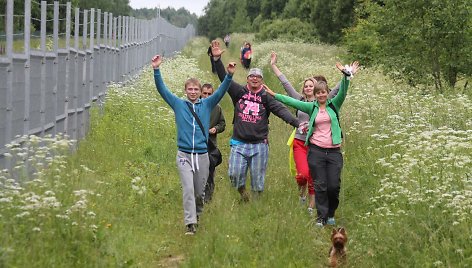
<point x="116" y="201"/>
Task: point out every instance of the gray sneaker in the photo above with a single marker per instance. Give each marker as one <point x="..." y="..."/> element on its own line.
<point x="190" y="229"/>
<point x="302" y="200"/>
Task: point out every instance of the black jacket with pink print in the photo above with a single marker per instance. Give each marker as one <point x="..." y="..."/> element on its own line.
<point x="252" y="110"/>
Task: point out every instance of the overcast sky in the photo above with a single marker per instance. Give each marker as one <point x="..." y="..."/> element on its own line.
<point x="194" y="6"/>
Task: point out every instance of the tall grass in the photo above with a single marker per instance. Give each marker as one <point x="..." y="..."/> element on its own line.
<point x="116" y="202"/>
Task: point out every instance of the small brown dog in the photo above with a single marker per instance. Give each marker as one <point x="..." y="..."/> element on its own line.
<point x="337" y="252"/>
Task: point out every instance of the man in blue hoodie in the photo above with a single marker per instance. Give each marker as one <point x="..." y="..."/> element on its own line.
<point x="192" y="155"/>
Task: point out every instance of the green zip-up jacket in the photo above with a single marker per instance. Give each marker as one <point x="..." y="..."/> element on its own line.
<point x="312" y="109"/>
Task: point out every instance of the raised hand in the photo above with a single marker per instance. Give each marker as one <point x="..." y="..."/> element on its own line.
<point x="273" y="58"/>
<point x="354" y="67"/>
<point x="231" y="67"/>
<point x="348" y="70"/>
<point x="343" y="69"/>
<point x="215" y="49"/>
<point x="268" y="90"/>
<point x="156" y="61"/>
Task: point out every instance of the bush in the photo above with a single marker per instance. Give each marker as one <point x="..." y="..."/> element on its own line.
<point x="362" y="42"/>
<point x="288" y="29"/>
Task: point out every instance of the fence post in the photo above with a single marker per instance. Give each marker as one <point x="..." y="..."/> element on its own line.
<point x="91" y="64"/>
<point x="67" y="71"/>
<point x="55" y="65"/>
<point x="113" y="38"/>
<point x="27" y="52"/>
<point x="75" y="85"/>
<point x="82" y="89"/>
<point x="111" y="52"/>
<point x="106" y="56"/>
<point x="98" y="77"/>
<point x="9" y="76"/>
<point x="42" y="109"/>
<point x="119" y="44"/>
<point x="126" y="49"/>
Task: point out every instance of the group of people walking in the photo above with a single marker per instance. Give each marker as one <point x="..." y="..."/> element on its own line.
<point x="316" y="145"/>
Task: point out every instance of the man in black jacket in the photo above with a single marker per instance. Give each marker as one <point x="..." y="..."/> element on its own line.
<point x="213" y="70"/>
<point x="217" y="125"/>
<point x="249" y="142"/>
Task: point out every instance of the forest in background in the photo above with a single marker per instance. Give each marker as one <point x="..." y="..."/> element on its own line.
<point x="423" y="43"/>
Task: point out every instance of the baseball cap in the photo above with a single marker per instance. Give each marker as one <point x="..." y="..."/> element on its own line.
<point x="255" y="71"/>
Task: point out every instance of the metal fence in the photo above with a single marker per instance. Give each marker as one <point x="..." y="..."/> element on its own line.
<point x="48" y="89"/>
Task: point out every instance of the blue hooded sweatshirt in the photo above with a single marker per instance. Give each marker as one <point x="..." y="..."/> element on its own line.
<point x="189" y="135"/>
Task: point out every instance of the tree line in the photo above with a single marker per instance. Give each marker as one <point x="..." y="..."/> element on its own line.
<point x="422" y="42"/>
<point x="179" y="18"/>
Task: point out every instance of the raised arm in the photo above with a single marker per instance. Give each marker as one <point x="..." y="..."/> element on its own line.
<point x="283" y="80"/>
<point x="217" y="51"/>
<point x="354" y="67"/>
<point x="223" y="88"/>
<point x="282" y="112"/>
<point x="161" y="87"/>
<point x="348" y="73"/>
<point x="234" y="88"/>
<point x="303" y="106"/>
<point x="273" y="64"/>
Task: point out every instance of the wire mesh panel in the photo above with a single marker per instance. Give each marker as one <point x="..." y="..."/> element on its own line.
<point x="35" y="111"/>
<point x="3" y="103"/>
<point x="50" y="100"/>
<point x="56" y="62"/>
<point x="72" y="95"/>
<point x="62" y="90"/>
<point x="18" y="96"/>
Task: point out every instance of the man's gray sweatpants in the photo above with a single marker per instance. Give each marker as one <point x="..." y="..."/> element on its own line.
<point x="193" y="171"/>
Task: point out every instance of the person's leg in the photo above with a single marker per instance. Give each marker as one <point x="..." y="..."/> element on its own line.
<point x="317" y="163"/>
<point x="259" y="155"/>
<point x="199" y="180"/>
<point x="335" y="165"/>
<point x="300" y="152"/>
<point x="210" y="185"/>
<point x="184" y="167"/>
<point x="237" y="168"/>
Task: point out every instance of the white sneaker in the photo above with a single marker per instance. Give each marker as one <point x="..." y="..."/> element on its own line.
<point x="310" y="211"/>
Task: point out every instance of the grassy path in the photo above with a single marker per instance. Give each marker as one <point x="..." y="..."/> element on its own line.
<point x="405" y="199"/>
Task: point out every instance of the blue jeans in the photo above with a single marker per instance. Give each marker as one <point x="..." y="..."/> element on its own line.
<point x="252" y="156"/>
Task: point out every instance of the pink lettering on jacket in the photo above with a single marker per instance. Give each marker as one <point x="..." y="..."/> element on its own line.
<point x="250" y="105"/>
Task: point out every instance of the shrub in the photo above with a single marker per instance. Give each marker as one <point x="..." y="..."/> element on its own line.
<point x="288" y="29"/>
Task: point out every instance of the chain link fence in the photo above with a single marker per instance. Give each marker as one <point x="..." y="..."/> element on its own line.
<point x="55" y="66"/>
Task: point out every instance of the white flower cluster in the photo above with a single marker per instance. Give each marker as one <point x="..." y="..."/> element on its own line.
<point x="138" y="186"/>
<point x="31" y="155"/>
<point x="422" y="145"/>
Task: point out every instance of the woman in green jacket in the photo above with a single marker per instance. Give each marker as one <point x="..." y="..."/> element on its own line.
<point x="324" y="139"/>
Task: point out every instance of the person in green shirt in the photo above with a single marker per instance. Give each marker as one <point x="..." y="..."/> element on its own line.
<point x="324" y="138"/>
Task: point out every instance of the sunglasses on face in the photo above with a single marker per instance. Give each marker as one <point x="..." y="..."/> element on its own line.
<point x="255" y="76"/>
